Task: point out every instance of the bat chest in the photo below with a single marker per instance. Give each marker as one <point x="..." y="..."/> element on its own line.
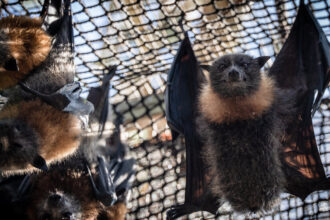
<point x="244" y="158"/>
<point x="245" y="137"/>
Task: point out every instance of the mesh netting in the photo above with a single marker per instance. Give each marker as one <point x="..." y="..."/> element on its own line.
<point x="142" y="37"/>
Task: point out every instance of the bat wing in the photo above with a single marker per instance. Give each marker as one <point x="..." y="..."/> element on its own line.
<point x="303" y="66"/>
<point x="183" y="85"/>
<point x="99" y="96"/>
<point x="66" y="99"/>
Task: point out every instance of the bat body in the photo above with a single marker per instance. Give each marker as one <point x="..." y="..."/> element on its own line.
<point x="41" y="130"/>
<point x="23" y="45"/>
<point x="50" y="132"/>
<point x="242" y="129"/>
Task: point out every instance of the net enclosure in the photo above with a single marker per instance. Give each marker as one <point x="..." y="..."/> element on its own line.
<point x="141" y="38"/>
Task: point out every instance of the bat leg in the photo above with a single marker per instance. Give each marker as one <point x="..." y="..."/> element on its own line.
<point x="180" y="210"/>
<point x="104" y="189"/>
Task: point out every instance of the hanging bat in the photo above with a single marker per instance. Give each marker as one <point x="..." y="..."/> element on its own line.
<point x="58" y="69"/>
<point x="240" y="120"/>
<point x="24" y="45"/>
<point x="70" y="189"/>
<point x="39" y="122"/>
<point x="210" y="113"/>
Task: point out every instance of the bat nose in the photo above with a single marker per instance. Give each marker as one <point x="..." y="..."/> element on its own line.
<point x="54" y="199"/>
<point x="234" y="76"/>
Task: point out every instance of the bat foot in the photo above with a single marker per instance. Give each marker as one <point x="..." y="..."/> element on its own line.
<point x="104" y="189"/>
<point x="179" y="210"/>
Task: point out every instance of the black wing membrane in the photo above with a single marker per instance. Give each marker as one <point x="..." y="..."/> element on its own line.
<point x="184" y="79"/>
<point x="303" y="65"/>
<point x="99" y="96"/>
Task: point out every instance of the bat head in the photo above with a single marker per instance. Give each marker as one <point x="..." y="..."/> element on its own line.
<point x="18" y="146"/>
<point x="236" y="74"/>
<point x="58" y="205"/>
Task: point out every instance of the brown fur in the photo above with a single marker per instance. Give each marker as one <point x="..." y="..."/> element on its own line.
<point x="78" y="185"/>
<point x="219" y="110"/>
<point x="58" y="132"/>
<point x="117" y="212"/>
<point x="28" y="44"/>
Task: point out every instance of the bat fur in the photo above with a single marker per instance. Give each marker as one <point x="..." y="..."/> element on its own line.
<point x="24" y="44"/>
<point x="74" y="193"/>
<point x="42" y="130"/>
<point x="240" y="124"/>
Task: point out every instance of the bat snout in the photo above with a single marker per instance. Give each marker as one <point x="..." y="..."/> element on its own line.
<point x="234" y="76"/>
<point x="54" y="200"/>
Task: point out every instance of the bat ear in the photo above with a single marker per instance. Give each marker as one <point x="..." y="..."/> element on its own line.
<point x="206" y="67"/>
<point x="40" y="163"/>
<point x="262" y="60"/>
<point x="11" y="65"/>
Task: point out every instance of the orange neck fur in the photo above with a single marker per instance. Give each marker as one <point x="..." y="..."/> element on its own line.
<point x="219" y="110"/>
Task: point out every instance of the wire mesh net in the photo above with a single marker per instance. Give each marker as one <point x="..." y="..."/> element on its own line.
<point x="142" y="37"/>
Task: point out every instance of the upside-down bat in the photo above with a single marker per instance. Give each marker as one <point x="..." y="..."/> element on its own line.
<point x="38" y="123"/>
<point x="68" y="190"/>
<point x="65" y="192"/>
<point x="58" y="69"/>
<point x="24" y="45"/>
<point x="213" y="112"/>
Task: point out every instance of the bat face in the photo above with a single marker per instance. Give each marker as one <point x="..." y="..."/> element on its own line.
<point x="236" y="75"/>
<point x="18" y="145"/>
<point x="59" y="206"/>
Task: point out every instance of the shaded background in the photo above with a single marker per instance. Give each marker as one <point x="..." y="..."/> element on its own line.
<point x="142" y="37"/>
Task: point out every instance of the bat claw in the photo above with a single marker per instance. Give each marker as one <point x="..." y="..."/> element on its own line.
<point x="178" y="211"/>
<point x="104" y="189"/>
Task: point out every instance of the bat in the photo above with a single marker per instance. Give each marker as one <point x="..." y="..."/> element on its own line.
<point x="24" y="45"/>
<point x="302" y="169"/>
<point x="239" y="122"/>
<point x="85" y="186"/>
<point x="39" y="122"/>
<point x="77" y="195"/>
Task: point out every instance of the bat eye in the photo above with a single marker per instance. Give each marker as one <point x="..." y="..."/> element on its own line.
<point x="221" y="66"/>
<point x="245" y="65"/>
